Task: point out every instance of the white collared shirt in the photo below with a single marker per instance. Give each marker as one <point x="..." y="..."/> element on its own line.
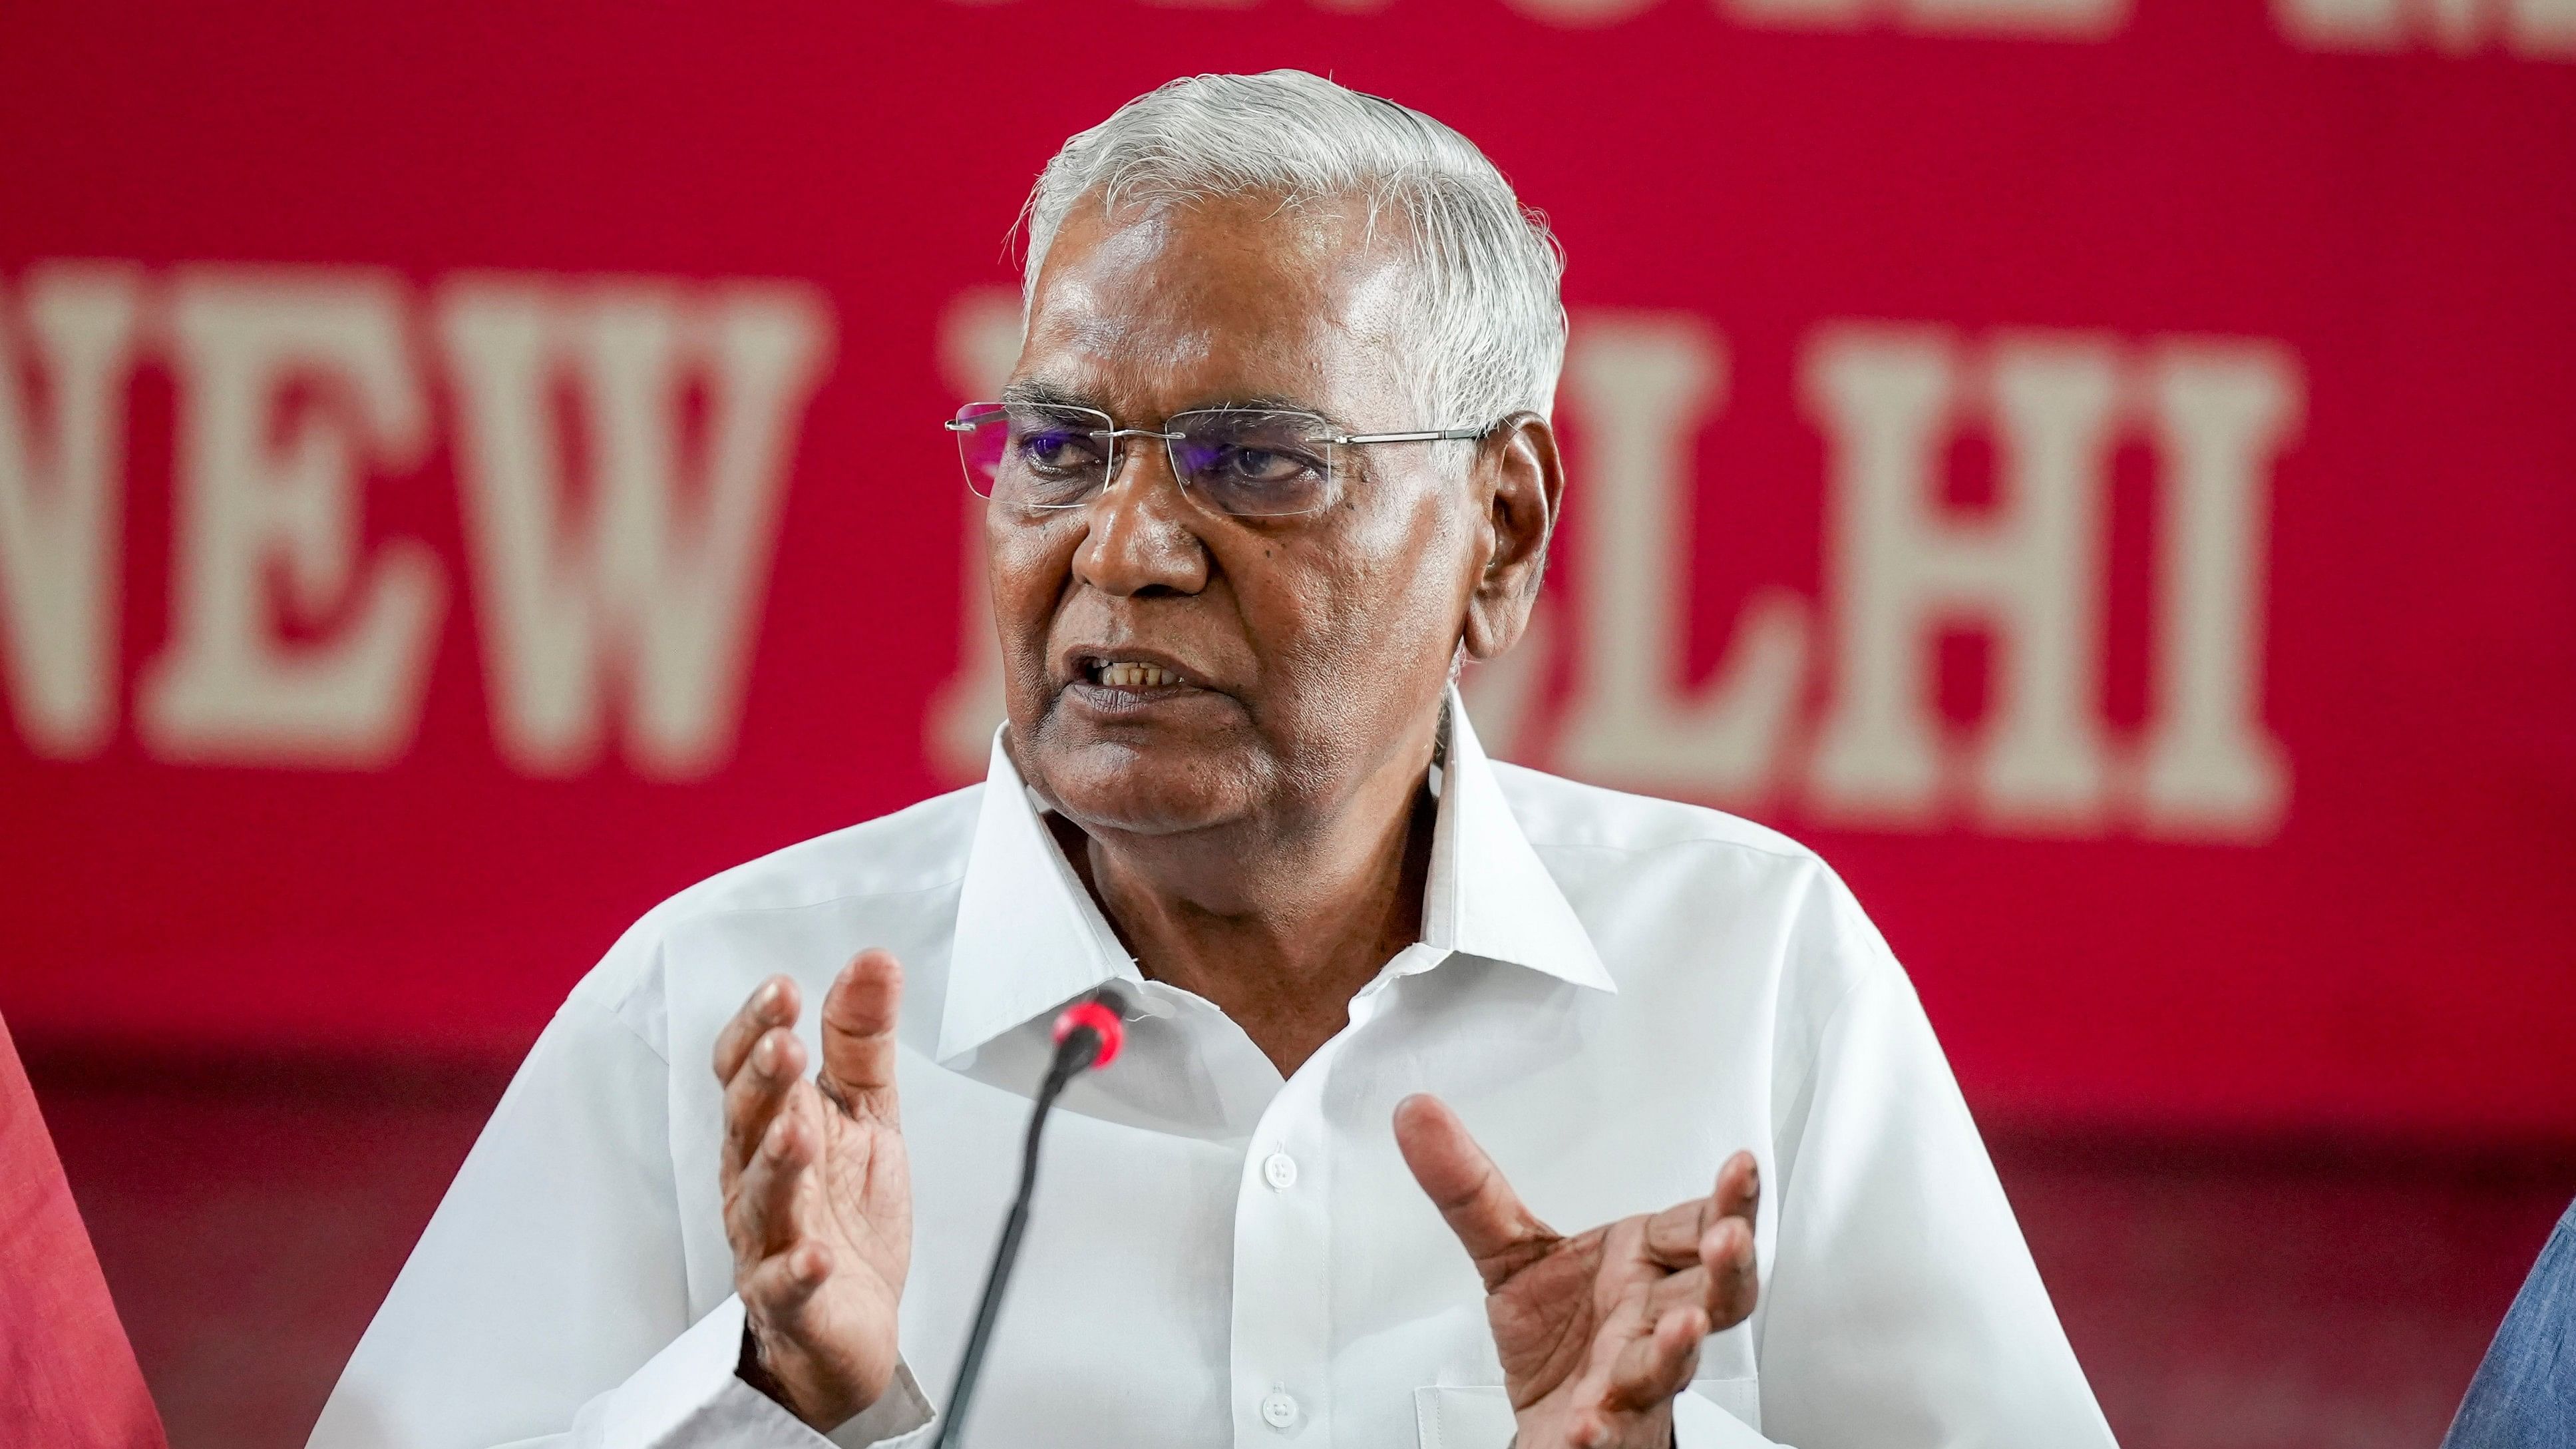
<point x="1614" y="992"/>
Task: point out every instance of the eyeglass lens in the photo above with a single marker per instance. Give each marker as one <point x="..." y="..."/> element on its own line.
<point x="1248" y="463"/>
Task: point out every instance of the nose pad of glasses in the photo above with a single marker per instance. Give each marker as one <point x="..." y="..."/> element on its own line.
<point x="1129" y="447"/>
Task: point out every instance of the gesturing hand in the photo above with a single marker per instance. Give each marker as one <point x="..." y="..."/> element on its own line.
<point x="817" y="1193"/>
<point x="1597" y="1332"/>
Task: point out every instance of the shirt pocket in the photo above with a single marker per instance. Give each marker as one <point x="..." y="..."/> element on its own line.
<point x="1452" y="1417"/>
<point x="1741" y="1397"/>
<point x="1449" y="1416"/>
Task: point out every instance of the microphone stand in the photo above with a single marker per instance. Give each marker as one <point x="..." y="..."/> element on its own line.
<point x="1087" y="1035"/>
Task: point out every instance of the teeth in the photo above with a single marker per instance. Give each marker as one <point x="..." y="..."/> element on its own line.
<point x="1136" y="676"/>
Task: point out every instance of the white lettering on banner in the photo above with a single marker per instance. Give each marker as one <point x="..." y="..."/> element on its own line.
<point x="1897" y="565"/>
<point x="2542" y="28"/>
<point x="60" y="503"/>
<point x="1643" y="386"/>
<point x="2221" y="411"/>
<point x="2027" y="19"/>
<point x="2030" y="570"/>
<point x="232" y="688"/>
<point x="2537" y="29"/>
<point x="638" y="589"/>
<point x="623" y="446"/>
<point x="1581" y="12"/>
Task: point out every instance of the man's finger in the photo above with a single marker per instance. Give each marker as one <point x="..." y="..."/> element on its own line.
<point x="1720" y="1281"/>
<point x="752" y="1098"/>
<point x="773" y="1002"/>
<point x="1672" y="1237"/>
<point x="1727" y="1248"/>
<point x="1471" y="1193"/>
<point x="762" y="1213"/>
<point x="1733" y="1285"/>
<point x="1658" y="1364"/>
<point x="859" y="1017"/>
<point x="1739" y="1187"/>
<point x="779" y="1286"/>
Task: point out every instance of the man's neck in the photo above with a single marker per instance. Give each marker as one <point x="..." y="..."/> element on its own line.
<point x="1294" y="934"/>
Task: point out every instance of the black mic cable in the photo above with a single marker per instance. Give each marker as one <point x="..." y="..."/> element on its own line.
<point x="1087" y="1035"/>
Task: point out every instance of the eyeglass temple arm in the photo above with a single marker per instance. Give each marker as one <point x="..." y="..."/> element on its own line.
<point x="1437" y="435"/>
<point x="968" y="425"/>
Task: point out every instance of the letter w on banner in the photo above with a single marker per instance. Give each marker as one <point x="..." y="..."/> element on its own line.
<point x="654" y="585"/>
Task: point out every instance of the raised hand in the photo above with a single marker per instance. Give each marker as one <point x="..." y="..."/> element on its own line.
<point x="817" y="1192"/>
<point x="1598" y="1331"/>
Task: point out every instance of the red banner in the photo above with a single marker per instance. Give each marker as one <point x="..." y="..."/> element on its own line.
<point x="2102" y="471"/>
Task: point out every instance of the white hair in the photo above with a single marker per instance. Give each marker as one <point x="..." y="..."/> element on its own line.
<point x="1488" y="337"/>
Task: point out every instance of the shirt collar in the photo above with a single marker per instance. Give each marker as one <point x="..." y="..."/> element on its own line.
<point x="1488" y="894"/>
<point x="1030" y="938"/>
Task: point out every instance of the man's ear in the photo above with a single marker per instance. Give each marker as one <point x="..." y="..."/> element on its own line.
<point x="1521" y="477"/>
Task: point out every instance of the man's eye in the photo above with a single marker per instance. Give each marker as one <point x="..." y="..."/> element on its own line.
<point x="1260" y="465"/>
<point x="1057" y="452"/>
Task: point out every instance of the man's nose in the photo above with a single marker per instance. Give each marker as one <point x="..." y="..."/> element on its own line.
<point x="1143" y="536"/>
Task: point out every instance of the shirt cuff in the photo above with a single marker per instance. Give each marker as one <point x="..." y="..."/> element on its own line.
<point x="1701" y="1424"/>
<point x="688" y="1397"/>
<point x="899" y="1419"/>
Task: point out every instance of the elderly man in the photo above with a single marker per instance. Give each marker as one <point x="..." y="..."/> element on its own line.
<point x="1275" y="458"/>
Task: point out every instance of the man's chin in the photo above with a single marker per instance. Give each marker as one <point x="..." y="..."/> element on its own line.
<point x="1132" y="788"/>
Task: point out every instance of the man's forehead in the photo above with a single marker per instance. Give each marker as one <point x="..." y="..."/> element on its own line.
<point x="1234" y="299"/>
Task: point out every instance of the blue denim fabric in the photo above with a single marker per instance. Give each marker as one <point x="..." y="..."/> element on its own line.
<point x="2524" y="1396"/>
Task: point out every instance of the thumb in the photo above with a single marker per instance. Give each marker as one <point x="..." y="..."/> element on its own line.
<point x="858" y="1022"/>
<point x="1480" y="1207"/>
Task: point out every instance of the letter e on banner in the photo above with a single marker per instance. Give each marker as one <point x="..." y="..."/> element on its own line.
<point x="231" y="688"/>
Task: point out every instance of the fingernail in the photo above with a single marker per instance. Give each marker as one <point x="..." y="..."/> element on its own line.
<point x="767" y="1001"/>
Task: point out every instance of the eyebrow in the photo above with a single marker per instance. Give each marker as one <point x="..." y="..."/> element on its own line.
<point x="1035" y="392"/>
<point x="1269" y="402"/>
<point x="1029" y="392"/>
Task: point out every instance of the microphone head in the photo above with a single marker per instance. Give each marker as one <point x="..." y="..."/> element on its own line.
<point x="1102" y="1016"/>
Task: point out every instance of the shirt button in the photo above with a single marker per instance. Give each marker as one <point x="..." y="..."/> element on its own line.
<point x="1280" y="1171"/>
<point x="1277" y="1409"/>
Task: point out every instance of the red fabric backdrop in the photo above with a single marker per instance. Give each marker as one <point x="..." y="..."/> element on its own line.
<point x="2102" y="473"/>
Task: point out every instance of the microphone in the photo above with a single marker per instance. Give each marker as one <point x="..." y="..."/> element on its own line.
<point x="1087" y="1036"/>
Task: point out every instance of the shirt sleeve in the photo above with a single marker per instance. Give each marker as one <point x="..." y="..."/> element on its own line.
<point x="1902" y="1309"/>
<point x="547" y="1304"/>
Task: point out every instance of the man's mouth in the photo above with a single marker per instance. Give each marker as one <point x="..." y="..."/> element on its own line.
<point x="1127" y="674"/>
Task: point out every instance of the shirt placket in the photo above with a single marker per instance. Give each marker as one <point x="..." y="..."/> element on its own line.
<point x="1283" y="1271"/>
<point x="1283" y="1246"/>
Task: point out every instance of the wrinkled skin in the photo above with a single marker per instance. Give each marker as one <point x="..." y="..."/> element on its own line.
<point x="1255" y="824"/>
<point x="1598" y="1331"/>
<point x="1251" y="831"/>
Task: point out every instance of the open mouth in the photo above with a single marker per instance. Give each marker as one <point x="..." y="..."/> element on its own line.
<point x="1127" y="674"/>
